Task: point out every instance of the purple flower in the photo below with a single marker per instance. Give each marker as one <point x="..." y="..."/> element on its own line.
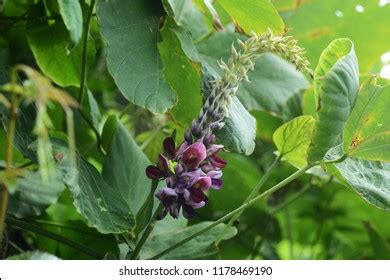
<point x="162" y="169"/>
<point x="194" y="155"/>
<point x="189" y="172"/>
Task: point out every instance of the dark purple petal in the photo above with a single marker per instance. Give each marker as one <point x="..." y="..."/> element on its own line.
<point x="188" y="212"/>
<point x="197" y="195"/>
<point x="169" y="147"/>
<point x="216" y="184"/>
<point x="163" y="164"/>
<point x="217" y="161"/>
<point x="153" y="172"/>
<point x="194" y="155"/>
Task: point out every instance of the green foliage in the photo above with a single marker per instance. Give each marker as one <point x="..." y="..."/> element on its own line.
<point x="293" y="139"/>
<point x="72" y="16"/>
<point x="246" y="15"/>
<point x="367" y="131"/>
<point x="336" y="84"/>
<point x="54" y="55"/>
<point x="74" y="174"/>
<point x="131" y="33"/>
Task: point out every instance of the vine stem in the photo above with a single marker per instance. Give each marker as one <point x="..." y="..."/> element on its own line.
<point x="244" y="206"/>
<point x="252" y="194"/>
<point x="11" y="126"/>
<point x="83" y="78"/>
<point x="146" y="233"/>
<point x="33" y="228"/>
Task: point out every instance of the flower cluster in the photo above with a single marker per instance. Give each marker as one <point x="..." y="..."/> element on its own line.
<point x="194" y="167"/>
<point x="189" y="171"/>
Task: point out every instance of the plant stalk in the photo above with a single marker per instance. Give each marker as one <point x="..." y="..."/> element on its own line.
<point x="234" y="212"/>
<point x="11" y="126"/>
<point x="83" y="78"/>
<point x="252" y="194"/>
<point x="146" y="233"/>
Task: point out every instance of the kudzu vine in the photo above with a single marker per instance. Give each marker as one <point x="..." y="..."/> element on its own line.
<point x="114" y="187"/>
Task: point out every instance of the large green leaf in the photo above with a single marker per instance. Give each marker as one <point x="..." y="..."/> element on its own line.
<point x="315" y="23"/>
<point x="293" y="139"/>
<point x="124" y="170"/>
<point x="370" y="179"/>
<point x="32" y="195"/>
<point x="72" y="16"/>
<point x="186" y="86"/>
<point x="131" y="30"/>
<point x="102" y="206"/>
<point x="367" y="131"/>
<point x="254" y="15"/>
<point x="51" y="49"/>
<point x="201" y="247"/>
<point x="336" y="84"/>
<point x="273" y="82"/>
<point x="239" y="132"/>
<point x="33" y="255"/>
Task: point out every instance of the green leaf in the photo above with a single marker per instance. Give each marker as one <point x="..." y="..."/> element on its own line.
<point x="92" y="108"/>
<point x="367" y="131"/>
<point x="72" y="16"/>
<point x="102" y="205"/>
<point x="124" y="170"/>
<point x="33" y="255"/>
<point x="336" y="84"/>
<point x="315" y="23"/>
<point x="379" y="245"/>
<point x="293" y="139"/>
<point x="131" y="30"/>
<point x="201" y="247"/>
<point x="370" y="179"/>
<point x="273" y="82"/>
<point x="239" y="133"/>
<point x="50" y="46"/>
<point x="32" y="195"/>
<point x="254" y="15"/>
<point x="186" y="14"/>
<point x="293" y="107"/>
<point x="186" y="86"/>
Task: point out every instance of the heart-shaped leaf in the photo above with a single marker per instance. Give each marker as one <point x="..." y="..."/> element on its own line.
<point x="131" y="30"/>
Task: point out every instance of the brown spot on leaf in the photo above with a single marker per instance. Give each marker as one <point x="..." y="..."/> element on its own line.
<point x="356" y="141"/>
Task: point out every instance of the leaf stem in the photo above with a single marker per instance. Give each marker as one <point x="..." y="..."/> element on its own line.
<point x="244" y="206"/>
<point x="83" y="78"/>
<point x="146" y="233"/>
<point x="33" y="228"/>
<point x="252" y="194"/>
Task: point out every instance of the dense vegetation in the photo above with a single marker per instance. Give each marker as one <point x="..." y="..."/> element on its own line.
<point x="191" y="129"/>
